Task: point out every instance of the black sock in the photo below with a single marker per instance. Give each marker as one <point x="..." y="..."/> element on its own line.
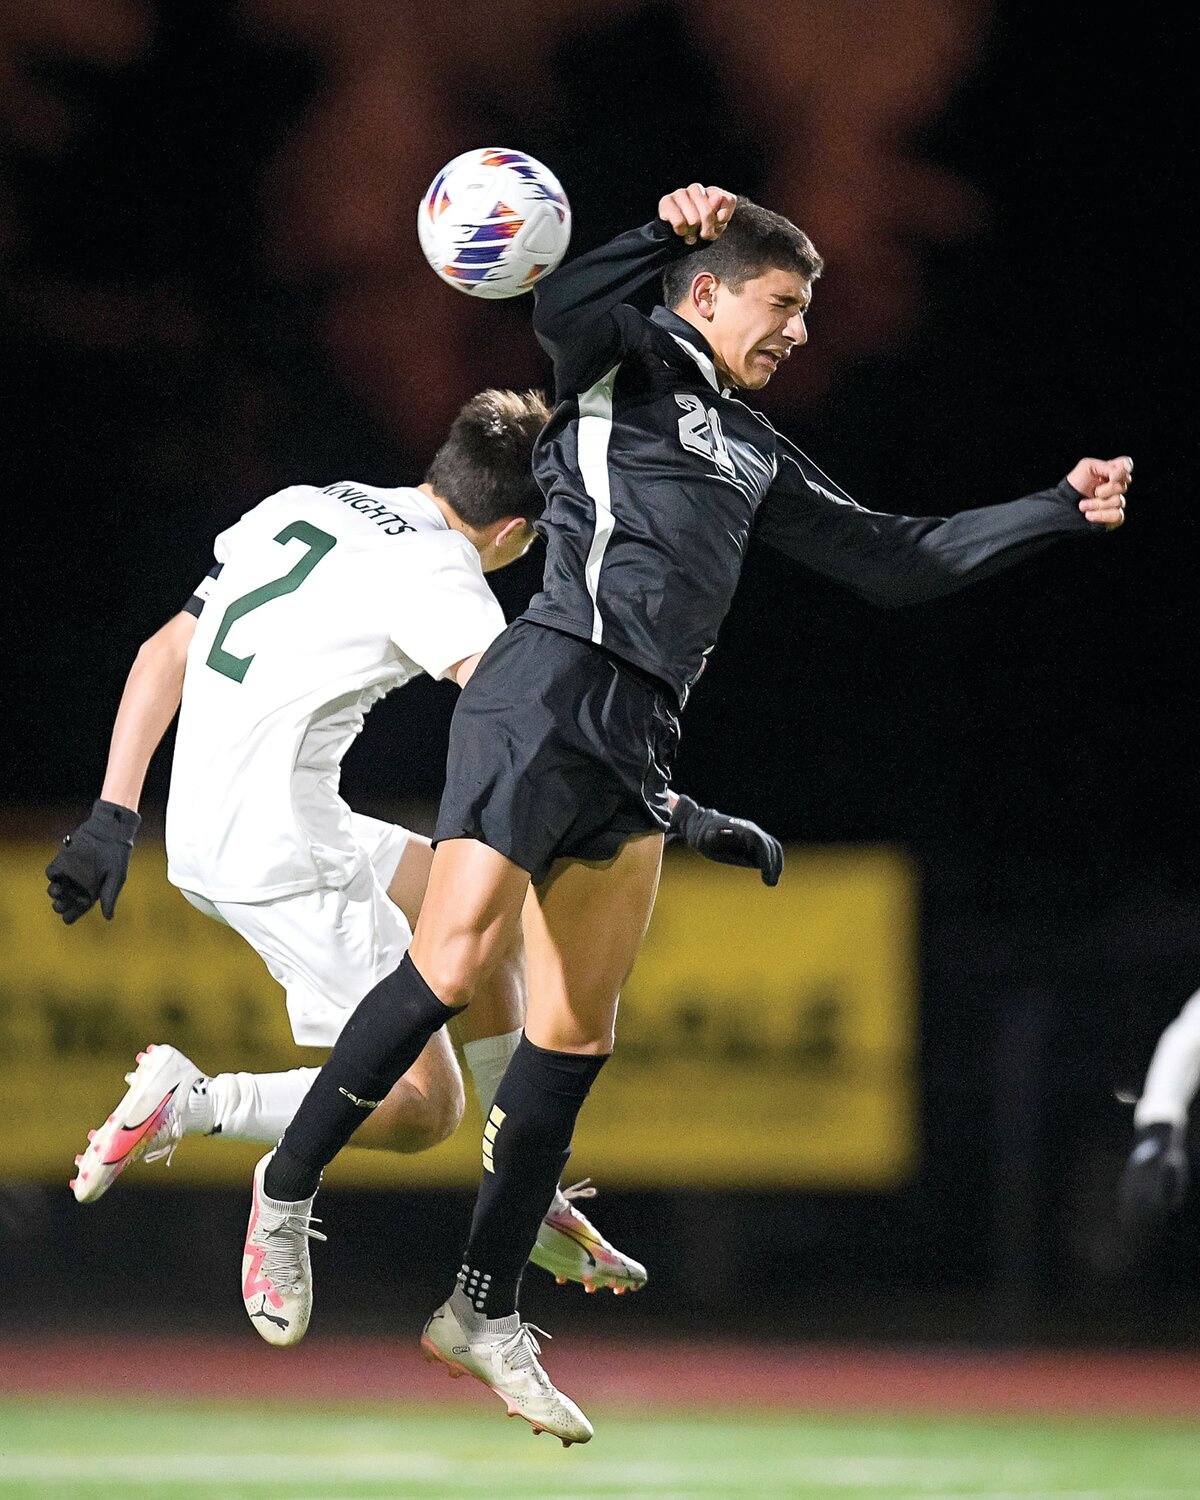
<point x="380" y="1042"/>
<point x="526" y="1143"/>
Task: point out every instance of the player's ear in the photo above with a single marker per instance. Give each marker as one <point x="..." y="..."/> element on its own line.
<point x="702" y="293"/>
<point x="509" y="529"/>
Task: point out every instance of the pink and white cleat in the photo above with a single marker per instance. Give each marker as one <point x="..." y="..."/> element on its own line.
<point x="147" y="1125"/>
<point x="571" y="1248"/>
<point x="276" y="1270"/>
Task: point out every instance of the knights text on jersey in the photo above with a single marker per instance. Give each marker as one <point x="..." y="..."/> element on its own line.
<point x="656" y="477"/>
<point x="321" y="601"/>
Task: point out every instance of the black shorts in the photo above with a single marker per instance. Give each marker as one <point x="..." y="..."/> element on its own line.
<point x="557" y="751"/>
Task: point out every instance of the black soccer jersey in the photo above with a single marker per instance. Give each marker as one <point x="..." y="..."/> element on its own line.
<point x="656" y="478"/>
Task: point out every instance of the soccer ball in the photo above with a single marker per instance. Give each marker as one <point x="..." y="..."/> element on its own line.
<point x="494" y="222"/>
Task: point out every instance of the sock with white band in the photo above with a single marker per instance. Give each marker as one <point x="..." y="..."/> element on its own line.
<point x="526" y="1143"/>
<point x="486" y="1058"/>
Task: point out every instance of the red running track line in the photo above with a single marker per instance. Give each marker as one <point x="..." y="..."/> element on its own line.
<point x="792" y="1377"/>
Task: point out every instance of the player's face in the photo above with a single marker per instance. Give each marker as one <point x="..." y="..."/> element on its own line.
<point x="754" y="329"/>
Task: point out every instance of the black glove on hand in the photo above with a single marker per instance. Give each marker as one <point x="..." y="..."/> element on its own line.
<point x="1155" y="1180"/>
<point x="730" y="841"/>
<point x="93" y="861"/>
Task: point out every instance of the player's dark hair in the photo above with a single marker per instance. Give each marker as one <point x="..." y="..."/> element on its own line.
<point x="755" y="240"/>
<point x="484" y="469"/>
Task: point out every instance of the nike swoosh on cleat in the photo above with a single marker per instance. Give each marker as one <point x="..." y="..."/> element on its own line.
<point x="126" y="1138"/>
<point x="575" y="1239"/>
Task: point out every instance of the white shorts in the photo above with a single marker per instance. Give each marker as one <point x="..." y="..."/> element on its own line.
<point x="328" y="948"/>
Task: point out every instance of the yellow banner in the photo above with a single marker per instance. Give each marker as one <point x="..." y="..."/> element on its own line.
<point x="765" y="1038"/>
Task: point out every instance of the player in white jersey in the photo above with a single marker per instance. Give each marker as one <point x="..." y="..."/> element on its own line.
<point x="322" y="601"/>
<point x="1156" y="1176"/>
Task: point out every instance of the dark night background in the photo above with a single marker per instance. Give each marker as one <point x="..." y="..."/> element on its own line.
<point x="175" y="352"/>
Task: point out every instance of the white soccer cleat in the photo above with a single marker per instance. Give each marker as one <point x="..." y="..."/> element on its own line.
<point x="506" y="1363"/>
<point x="276" y="1271"/>
<point x="571" y="1248"/>
<point x="147" y="1124"/>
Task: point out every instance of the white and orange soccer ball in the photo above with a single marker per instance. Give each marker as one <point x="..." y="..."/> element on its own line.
<point x="494" y="222"/>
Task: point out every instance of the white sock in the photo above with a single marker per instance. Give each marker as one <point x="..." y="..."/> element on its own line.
<point x="199" y="1116"/>
<point x="257" y="1106"/>
<point x="486" y="1059"/>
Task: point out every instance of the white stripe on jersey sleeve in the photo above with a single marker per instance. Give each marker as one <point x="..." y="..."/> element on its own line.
<point x="595" y="430"/>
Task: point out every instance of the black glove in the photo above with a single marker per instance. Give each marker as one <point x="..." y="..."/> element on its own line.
<point x="93" y="861"/>
<point x="1155" y="1180"/>
<point x="730" y="841"/>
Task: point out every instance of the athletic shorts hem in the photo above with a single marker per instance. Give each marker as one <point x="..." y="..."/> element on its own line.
<point x="558" y="750"/>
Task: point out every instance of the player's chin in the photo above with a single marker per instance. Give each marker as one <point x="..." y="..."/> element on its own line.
<point x="756" y="375"/>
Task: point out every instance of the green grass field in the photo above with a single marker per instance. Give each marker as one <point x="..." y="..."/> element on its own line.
<point x="59" y="1449"/>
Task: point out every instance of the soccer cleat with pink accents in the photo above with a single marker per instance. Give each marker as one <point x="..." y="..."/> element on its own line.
<point x="276" y="1271"/>
<point x="147" y="1124"/>
<point x="507" y="1363"/>
<point x="571" y="1248"/>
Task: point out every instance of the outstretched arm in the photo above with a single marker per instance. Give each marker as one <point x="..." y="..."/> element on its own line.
<point x="93" y="860"/>
<point x="148" y="704"/>
<point x="895" y="560"/>
<point x="577" y="309"/>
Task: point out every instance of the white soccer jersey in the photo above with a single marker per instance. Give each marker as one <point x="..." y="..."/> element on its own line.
<point x="322" y="601"/>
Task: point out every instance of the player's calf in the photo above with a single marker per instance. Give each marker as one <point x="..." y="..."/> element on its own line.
<point x="423" y="1109"/>
<point x="380" y="1042"/>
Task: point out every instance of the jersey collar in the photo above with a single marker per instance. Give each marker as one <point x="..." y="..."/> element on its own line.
<point x="691" y="341"/>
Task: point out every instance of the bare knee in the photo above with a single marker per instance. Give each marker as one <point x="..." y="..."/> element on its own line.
<point x="568" y="1034"/>
<point x="416" y="1118"/>
<point x="559" y="1025"/>
<point x="441" y="1117"/>
<point x="458" y="969"/>
<point x="498" y="1005"/>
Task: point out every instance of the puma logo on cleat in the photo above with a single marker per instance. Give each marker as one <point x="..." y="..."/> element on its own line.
<point x="270" y="1317"/>
<point x="362" y="1103"/>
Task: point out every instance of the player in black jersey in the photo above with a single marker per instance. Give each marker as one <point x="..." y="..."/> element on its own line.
<point x="656" y="477"/>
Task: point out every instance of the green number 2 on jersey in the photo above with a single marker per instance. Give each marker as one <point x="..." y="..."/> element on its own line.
<point x="318" y="544"/>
